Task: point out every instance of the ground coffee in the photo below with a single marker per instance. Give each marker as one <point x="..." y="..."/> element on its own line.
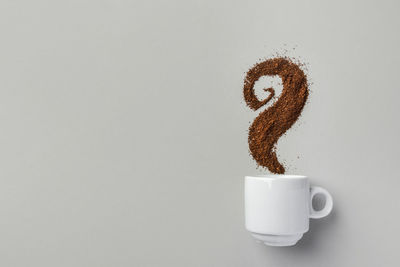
<point x="277" y="119"/>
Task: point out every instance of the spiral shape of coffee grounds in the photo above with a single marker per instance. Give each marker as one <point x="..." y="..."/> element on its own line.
<point x="273" y="122"/>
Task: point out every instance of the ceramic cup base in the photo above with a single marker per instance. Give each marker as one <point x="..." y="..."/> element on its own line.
<point x="277" y="240"/>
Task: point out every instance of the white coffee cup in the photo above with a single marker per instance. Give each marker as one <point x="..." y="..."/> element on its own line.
<point x="278" y="207"/>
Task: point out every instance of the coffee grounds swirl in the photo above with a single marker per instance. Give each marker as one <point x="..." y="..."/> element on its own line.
<point x="273" y="122"/>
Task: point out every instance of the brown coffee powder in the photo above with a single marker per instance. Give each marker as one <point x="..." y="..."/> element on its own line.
<point x="277" y="119"/>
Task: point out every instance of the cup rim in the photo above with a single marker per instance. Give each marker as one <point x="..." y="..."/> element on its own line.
<point x="276" y="176"/>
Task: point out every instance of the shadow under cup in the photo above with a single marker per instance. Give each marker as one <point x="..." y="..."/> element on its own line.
<point x="278" y="207"/>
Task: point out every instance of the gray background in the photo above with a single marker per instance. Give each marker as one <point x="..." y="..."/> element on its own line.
<point x="123" y="130"/>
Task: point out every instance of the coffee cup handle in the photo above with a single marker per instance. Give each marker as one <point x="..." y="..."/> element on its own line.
<point x="317" y="214"/>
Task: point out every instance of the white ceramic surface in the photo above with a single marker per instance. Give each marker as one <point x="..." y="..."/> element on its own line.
<point x="278" y="207"/>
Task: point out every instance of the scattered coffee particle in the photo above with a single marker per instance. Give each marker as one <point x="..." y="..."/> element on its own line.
<point x="272" y="123"/>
